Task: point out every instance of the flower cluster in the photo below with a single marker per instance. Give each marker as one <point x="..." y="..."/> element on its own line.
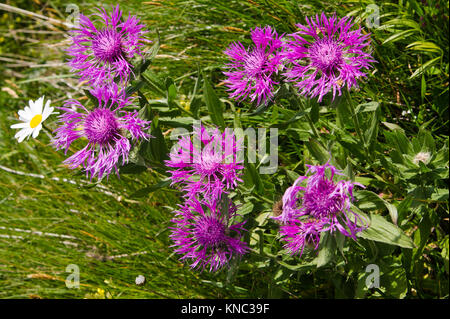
<point x="206" y="167"/>
<point x="315" y="204"/>
<point x="323" y="56"/>
<point x="101" y="56"/>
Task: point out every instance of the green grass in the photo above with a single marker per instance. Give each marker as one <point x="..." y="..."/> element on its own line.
<point x="114" y="235"/>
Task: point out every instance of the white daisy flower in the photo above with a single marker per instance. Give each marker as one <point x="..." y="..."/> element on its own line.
<point x="32" y="117"/>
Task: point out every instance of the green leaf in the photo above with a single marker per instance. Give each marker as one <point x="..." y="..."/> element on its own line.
<point x="367" y="107"/>
<point x="327" y="250"/>
<point x="261" y="108"/>
<point x="425" y="46"/>
<point x="149" y="56"/>
<point x="253" y="178"/>
<point x="354" y="148"/>
<point x="317" y="151"/>
<point x="213" y="104"/>
<point x="424" y="142"/>
<point x="392" y="126"/>
<point x="297" y="116"/>
<point x="421" y="236"/>
<point x="300" y="267"/>
<point x="147" y="190"/>
<point x="91" y="98"/>
<point x="372" y="133"/>
<point x="382" y="231"/>
<point x="155" y="149"/>
<point x="440" y="194"/>
<point x="340" y="241"/>
<point x="132" y="168"/>
<point x="134" y="87"/>
<point x="314" y="113"/>
<point x="398" y="140"/>
<point x="154" y="49"/>
<point x="154" y="83"/>
<point x="401" y="22"/>
<point x="144" y="112"/>
<point x="171" y="91"/>
<point x="370" y="197"/>
<point x="424" y="67"/>
<point x="245" y="209"/>
<point x="398" y="36"/>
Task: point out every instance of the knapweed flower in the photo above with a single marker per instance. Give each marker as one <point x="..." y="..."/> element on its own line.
<point x="204" y="233"/>
<point x="208" y="163"/>
<point x="32" y="117"/>
<point x="105" y="129"/>
<point x="251" y="72"/>
<point x="297" y="234"/>
<point x="103" y="52"/>
<point x="316" y="203"/>
<point x="325" y="55"/>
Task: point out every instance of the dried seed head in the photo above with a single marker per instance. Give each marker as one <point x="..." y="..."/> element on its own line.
<point x="140" y="280"/>
<point x="423" y="157"/>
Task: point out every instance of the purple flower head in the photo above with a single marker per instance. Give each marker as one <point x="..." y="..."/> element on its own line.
<point x="298" y="234"/>
<point x="316" y="203"/>
<point x="251" y="71"/>
<point x="104" y="128"/>
<point x="208" y="163"/>
<point x="205" y="235"/>
<point x="103" y="52"/>
<point x="325" y="55"/>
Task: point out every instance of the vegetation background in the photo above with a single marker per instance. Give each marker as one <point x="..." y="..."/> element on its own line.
<point x="114" y="231"/>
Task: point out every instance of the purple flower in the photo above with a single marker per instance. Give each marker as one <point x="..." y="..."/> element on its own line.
<point x="319" y="205"/>
<point x="251" y="71"/>
<point x="205" y="235"/>
<point x="325" y="54"/>
<point x="104" y="52"/>
<point x="105" y="129"/>
<point x="208" y="163"/>
<point x="298" y="234"/>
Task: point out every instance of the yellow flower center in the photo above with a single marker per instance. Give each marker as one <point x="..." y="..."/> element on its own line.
<point x="36" y="120"/>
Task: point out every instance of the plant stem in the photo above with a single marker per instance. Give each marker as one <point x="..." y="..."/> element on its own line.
<point x="310" y="122"/>
<point x="355" y="120"/>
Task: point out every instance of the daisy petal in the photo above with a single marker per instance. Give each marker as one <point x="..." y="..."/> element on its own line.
<point x="36" y="130"/>
<point x="22" y="134"/>
<point x="20" y="125"/>
<point x="25" y="116"/>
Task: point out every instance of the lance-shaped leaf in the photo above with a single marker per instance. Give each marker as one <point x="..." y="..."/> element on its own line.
<point x="383" y="231"/>
<point x="213" y="103"/>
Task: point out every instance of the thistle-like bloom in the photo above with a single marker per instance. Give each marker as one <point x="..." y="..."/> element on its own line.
<point x="208" y="163"/>
<point x="205" y="234"/>
<point x="315" y="204"/>
<point x="251" y="72"/>
<point x="103" y="52"/>
<point x="325" y="55"/>
<point x="298" y="234"/>
<point x="105" y="128"/>
<point x="32" y="117"/>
